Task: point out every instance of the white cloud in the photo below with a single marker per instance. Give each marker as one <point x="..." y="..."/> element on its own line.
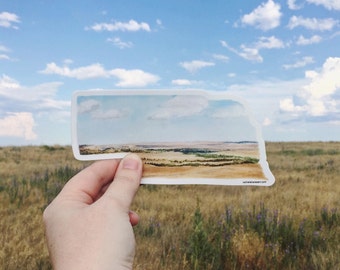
<point x="134" y="77"/>
<point x="180" y="106"/>
<point x="301" y="63"/>
<point x="93" y="107"/>
<point x="327" y="81"/>
<point x="328" y="4"/>
<point x="265" y="17"/>
<point x="8" y="20"/>
<point x="195" y="65"/>
<point x="88" y="106"/>
<point x="109" y="114"/>
<point x="68" y="61"/>
<point x="18" y="125"/>
<point x="119" y="43"/>
<point x="39" y="98"/>
<point x="335" y="34"/>
<point x="3" y="48"/>
<point x="127" y="78"/>
<point x="221" y="57"/>
<point x="4" y="57"/>
<point x="252" y="52"/>
<point x="292" y="5"/>
<point x="263" y="97"/>
<point x="307" y="41"/>
<point x="312" y="23"/>
<point x="7" y="82"/>
<point x="182" y="82"/>
<point x="131" y="26"/>
<point x="319" y="97"/>
<point x="287" y="105"/>
<point x="18" y="104"/>
<point x="159" y="24"/>
<point x="86" y="72"/>
<point x="269" y="43"/>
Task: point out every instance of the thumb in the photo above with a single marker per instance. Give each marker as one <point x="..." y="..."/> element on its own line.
<point x="126" y="181"/>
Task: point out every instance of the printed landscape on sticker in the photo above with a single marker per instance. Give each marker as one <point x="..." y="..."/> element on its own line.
<point x="183" y="137"/>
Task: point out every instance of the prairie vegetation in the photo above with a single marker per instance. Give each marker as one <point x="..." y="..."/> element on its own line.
<point x="294" y="224"/>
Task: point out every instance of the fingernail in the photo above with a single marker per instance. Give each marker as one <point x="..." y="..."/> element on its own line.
<point x="131" y="162"/>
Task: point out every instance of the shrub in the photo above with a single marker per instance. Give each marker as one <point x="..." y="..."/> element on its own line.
<point x="200" y="251"/>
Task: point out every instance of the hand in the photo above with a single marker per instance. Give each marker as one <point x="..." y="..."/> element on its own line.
<point x="88" y="225"/>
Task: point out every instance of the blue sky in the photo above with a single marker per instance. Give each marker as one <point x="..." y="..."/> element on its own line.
<point x="150" y="118"/>
<point x="282" y="57"/>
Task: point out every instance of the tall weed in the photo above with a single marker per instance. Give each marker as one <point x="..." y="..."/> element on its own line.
<point x="260" y="240"/>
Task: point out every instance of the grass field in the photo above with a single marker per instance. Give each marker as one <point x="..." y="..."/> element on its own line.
<point x="294" y="224"/>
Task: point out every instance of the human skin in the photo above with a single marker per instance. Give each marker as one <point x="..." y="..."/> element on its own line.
<point x="89" y="224"/>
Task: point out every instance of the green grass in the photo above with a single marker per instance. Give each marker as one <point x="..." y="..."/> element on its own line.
<point x="234" y="159"/>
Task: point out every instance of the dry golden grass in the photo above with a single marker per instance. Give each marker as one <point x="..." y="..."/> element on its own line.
<point x="27" y="161"/>
<point x="22" y="244"/>
<point x="247" y="246"/>
<point x="307" y="179"/>
<point x="222" y="172"/>
<point x="304" y="184"/>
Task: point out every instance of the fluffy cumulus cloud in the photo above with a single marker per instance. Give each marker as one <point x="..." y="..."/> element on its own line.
<point x="312" y="23"/>
<point x="269" y="43"/>
<point x="13" y="95"/>
<point x="131" y="26"/>
<point x="195" y="65"/>
<point x="265" y="17"/>
<point x="328" y="4"/>
<point x="307" y="41"/>
<point x="319" y="98"/>
<point x="81" y="73"/>
<point x="252" y="52"/>
<point x="253" y="92"/>
<point x="127" y="78"/>
<point x="133" y="77"/>
<point x="9" y="20"/>
<point x="292" y="5"/>
<point x="18" y="125"/>
<point x="19" y="103"/>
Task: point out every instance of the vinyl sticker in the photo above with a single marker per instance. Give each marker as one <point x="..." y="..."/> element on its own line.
<point x="182" y="136"/>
